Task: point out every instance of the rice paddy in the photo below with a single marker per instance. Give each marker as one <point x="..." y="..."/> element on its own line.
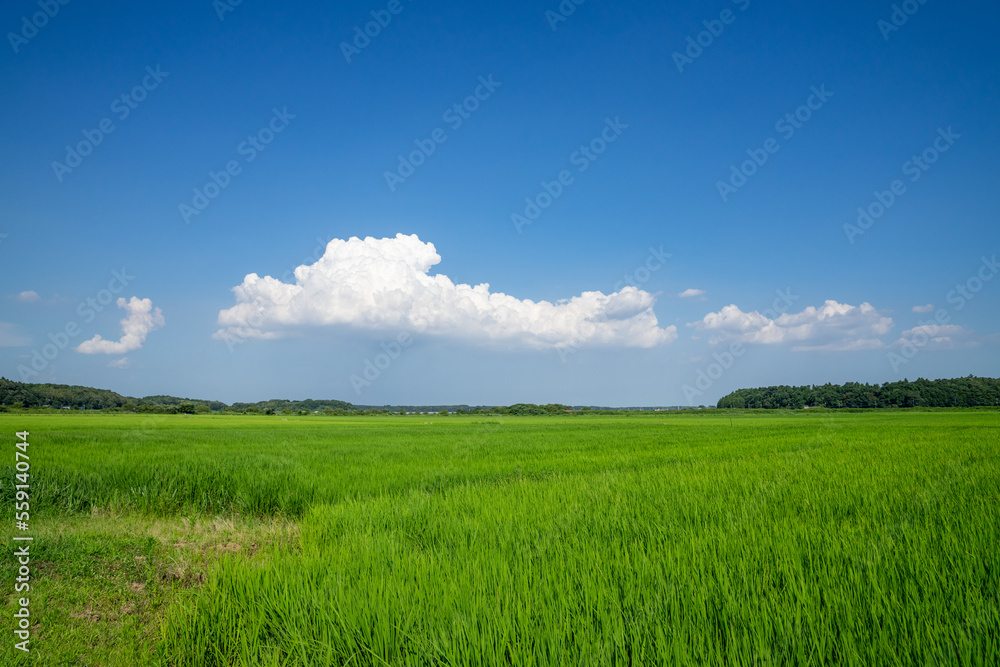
<point x="803" y="538"/>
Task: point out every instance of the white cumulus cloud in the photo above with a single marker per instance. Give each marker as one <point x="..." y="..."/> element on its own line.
<point x="688" y="293"/>
<point x="142" y="319"/>
<point x="832" y="326"/>
<point x="386" y="284"/>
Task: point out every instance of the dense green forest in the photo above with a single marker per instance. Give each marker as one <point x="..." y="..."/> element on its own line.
<point x="26" y="395"/>
<point x="960" y="392"/>
<point x="22" y="394"/>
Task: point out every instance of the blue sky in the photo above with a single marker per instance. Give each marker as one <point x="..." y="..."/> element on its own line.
<point x="583" y="301"/>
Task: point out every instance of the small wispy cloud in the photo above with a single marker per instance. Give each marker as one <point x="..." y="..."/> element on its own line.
<point x="120" y="363"/>
<point x="940" y="337"/>
<point x="923" y="309"/>
<point x="27" y="296"/>
<point x="142" y="319"/>
<point x="843" y="346"/>
<point x="11" y="336"/>
<point x="691" y="292"/>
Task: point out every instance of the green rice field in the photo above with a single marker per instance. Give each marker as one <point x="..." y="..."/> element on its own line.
<point x="788" y="538"/>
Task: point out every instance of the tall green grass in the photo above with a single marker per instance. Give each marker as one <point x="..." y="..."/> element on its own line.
<point x="799" y="539"/>
<point x="268" y="465"/>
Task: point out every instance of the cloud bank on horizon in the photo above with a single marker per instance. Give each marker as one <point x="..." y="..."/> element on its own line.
<point x="831" y="327"/>
<point x="386" y="284"/>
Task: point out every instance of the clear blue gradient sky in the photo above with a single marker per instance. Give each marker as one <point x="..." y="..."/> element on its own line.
<point x="203" y="83"/>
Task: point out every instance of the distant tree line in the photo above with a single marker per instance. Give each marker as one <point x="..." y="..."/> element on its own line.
<point x="21" y="395"/>
<point x="26" y="395"/>
<point x="280" y="405"/>
<point x="960" y="392"/>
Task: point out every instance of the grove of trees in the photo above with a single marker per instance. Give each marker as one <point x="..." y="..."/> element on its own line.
<point x="960" y="392"/>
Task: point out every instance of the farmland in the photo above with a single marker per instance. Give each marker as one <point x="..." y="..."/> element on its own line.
<point x="786" y="538"/>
